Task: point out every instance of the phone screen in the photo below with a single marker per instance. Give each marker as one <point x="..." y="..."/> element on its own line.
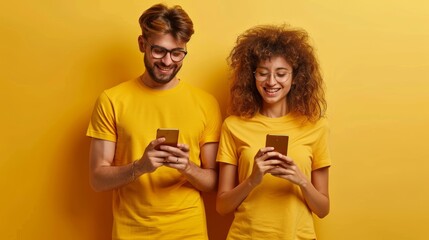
<point x="279" y="142"/>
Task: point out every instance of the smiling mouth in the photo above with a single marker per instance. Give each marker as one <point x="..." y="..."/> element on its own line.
<point x="164" y="69"/>
<point x="271" y="90"/>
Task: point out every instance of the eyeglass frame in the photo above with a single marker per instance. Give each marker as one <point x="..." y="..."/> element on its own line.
<point x="167" y="51"/>
<point x="269" y="74"/>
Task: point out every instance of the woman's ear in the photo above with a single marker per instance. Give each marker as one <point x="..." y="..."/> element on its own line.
<point x="141" y="42"/>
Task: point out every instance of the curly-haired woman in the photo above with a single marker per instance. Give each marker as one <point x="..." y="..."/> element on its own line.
<point x="277" y="88"/>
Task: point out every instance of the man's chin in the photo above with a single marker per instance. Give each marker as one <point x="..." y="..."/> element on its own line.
<point x="163" y="80"/>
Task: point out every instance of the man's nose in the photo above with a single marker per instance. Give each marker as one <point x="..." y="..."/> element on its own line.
<point x="167" y="59"/>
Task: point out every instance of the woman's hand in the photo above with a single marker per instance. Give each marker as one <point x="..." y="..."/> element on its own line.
<point x="288" y="170"/>
<point x="264" y="162"/>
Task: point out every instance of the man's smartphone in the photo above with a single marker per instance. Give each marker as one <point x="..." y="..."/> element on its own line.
<point x="278" y="141"/>
<point x="171" y="136"/>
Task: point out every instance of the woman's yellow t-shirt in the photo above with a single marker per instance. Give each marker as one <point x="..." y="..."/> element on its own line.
<point x="275" y="209"/>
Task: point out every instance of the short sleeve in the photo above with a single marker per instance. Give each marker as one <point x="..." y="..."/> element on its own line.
<point x="213" y="122"/>
<point x="102" y="124"/>
<point x="321" y="153"/>
<point x="227" y="150"/>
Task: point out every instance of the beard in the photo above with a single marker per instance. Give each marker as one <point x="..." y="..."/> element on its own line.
<point x="160" y="77"/>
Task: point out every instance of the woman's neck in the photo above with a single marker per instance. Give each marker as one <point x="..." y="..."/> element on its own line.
<point x="275" y="111"/>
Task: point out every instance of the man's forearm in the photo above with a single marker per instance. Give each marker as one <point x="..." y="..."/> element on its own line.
<point x="204" y="179"/>
<point x="105" y="178"/>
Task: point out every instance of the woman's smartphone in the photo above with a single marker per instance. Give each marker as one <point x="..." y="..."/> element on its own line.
<point x="278" y="141"/>
<point x="171" y="136"/>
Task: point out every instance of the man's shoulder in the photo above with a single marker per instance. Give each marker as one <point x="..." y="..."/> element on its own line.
<point x="122" y="89"/>
<point x="195" y="89"/>
<point x="121" y="86"/>
<point x="198" y="92"/>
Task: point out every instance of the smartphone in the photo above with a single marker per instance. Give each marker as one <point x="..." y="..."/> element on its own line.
<point x="171" y="136"/>
<point x="278" y="141"/>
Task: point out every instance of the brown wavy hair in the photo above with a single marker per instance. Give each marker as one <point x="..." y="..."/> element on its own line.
<point x="306" y="97"/>
<point x="159" y="19"/>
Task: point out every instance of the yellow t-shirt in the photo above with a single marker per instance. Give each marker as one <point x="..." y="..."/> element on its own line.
<point x="162" y="204"/>
<point x="275" y="209"/>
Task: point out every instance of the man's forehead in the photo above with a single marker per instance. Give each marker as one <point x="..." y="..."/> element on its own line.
<point x="166" y="41"/>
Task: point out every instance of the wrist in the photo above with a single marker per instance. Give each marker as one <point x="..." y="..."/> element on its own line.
<point x="133" y="171"/>
<point x="189" y="168"/>
<point x="252" y="182"/>
<point x="303" y="183"/>
<point x="137" y="169"/>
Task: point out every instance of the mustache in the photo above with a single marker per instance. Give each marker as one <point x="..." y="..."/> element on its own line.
<point x="161" y="64"/>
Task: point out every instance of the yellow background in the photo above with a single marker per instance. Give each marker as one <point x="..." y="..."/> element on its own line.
<point x="57" y="56"/>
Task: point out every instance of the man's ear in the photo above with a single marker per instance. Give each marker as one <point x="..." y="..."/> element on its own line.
<point x="141" y="42"/>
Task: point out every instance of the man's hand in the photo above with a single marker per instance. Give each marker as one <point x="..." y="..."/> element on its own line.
<point x="152" y="159"/>
<point x="178" y="157"/>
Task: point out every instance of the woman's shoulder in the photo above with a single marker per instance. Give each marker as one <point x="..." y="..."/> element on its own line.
<point x="320" y="124"/>
<point x="234" y="119"/>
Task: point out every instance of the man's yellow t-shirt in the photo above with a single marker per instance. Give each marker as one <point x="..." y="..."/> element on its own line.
<point x="275" y="209"/>
<point x="162" y="204"/>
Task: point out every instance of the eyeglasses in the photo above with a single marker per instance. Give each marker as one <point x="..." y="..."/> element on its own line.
<point x="279" y="76"/>
<point x="176" y="54"/>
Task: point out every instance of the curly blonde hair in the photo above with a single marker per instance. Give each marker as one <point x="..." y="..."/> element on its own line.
<point x="306" y="97"/>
